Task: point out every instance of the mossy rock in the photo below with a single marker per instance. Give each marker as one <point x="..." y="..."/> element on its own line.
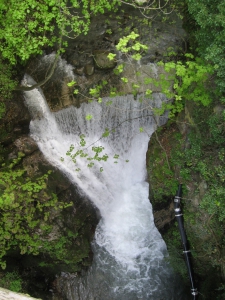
<point x="161" y="172"/>
<point x="102" y="61"/>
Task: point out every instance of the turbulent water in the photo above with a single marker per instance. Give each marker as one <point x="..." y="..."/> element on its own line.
<point x="129" y="253"/>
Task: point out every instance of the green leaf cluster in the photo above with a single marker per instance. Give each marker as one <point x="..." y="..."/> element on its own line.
<point x="98" y="152"/>
<point x="29" y="27"/>
<point x="128" y="44"/>
<point x="7" y="84"/>
<point x="196" y="159"/>
<point x="25" y="208"/>
<point x="191" y="81"/>
<point x="95" y="92"/>
<point x="11" y="281"/>
<point x="209" y="33"/>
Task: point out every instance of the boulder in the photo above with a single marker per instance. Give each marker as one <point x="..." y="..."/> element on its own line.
<point x="164" y="217"/>
<point x="102" y="61"/>
<point x="89" y="69"/>
<point x="26" y="145"/>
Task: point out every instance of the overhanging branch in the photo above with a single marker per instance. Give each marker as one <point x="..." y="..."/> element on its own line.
<point x="29" y="88"/>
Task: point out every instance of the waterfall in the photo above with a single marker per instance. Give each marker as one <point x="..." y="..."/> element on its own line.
<point x="129" y="252"/>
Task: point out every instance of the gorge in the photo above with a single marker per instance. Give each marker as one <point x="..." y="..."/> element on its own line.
<point x="91" y="150"/>
<point x="129" y="253"/>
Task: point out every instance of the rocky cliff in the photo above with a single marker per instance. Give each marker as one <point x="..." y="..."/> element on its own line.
<point x="190" y="150"/>
<point x="72" y="228"/>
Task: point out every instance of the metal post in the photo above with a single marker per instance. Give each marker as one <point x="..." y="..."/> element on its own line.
<point x="187" y="252"/>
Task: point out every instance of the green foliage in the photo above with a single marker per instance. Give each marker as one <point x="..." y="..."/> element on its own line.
<point x="109" y="31"/>
<point x="214" y="175"/>
<point x="124" y="79"/>
<point x="98" y="152"/>
<point x="111" y="56"/>
<point x="183" y="80"/>
<point x="129" y="45"/>
<point x="2" y="109"/>
<point x="72" y="83"/>
<point x="190" y="82"/>
<point x="25" y="208"/>
<point x="88" y="117"/>
<point x="196" y="159"/>
<point x="11" y="281"/>
<point x="28" y="27"/>
<point x="175" y="250"/>
<point x="205" y="158"/>
<point x="205" y="137"/>
<point x="216" y="125"/>
<point x="160" y="168"/>
<point x="209" y="33"/>
<point x="106" y="133"/>
<point x="119" y="69"/>
<point x="96" y="91"/>
<point x="7" y="84"/>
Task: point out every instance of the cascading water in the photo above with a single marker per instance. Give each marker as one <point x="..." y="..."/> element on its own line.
<point x="128" y="250"/>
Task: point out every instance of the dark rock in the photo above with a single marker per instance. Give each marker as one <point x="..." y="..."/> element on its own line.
<point x="164" y="217"/>
<point x="89" y="70"/>
<point x="26" y="145"/>
<point x="102" y="61"/>
<point x="79" y="71"/>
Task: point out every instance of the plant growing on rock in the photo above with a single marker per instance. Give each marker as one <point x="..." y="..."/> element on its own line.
<point x="11" y="281"/>
<point x="190" y="82"/>
<point x="197" y="160"/>
<point x="25" y="208"/>
<point x="29" y="27"/>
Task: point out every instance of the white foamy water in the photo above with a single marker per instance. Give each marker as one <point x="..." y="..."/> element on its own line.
<point x="128" y="249"/>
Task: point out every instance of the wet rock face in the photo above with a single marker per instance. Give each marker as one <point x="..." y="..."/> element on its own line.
<point x="26" y="145"/>
<point x="90" y="65"/>
<point x="204" y="228"/>
<point x="80" y="218"/>
<point x="15" y="122"/>
<point x="162" y="184"/>
<point x="87" y="55"/>
<point x="164" y="217"/>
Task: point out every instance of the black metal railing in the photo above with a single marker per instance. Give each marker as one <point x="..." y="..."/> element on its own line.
<point x="187" y="252"/>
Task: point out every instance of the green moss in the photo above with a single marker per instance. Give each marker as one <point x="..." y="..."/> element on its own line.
<point x="161" y="170"/>
<point x="11" y="281"/>
<point x="196" y="159"/>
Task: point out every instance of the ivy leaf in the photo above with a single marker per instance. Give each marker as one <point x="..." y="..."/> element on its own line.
<point x="111" y="56"/>
<point x="124" y="79"/>
<point x="71" y="83"/>
<point x="148" y="92"/>
<point x="137" y="56"/>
